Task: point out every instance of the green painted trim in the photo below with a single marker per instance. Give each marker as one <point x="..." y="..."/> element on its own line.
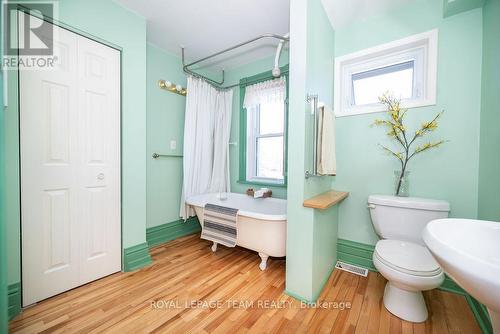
<point x="316" y="294"/>
<point x="242" y="178"/>
<point x="298" y="297"/>
<point x="136" y="257"/>
<point x="356" y="253"/>
<point x="479" y="310"/>
<point x="160" y="234"/>
<point x="361" y="254"/>
<point x="481" y="314"/>
<point x="14" y="300"/>
<point x="276" y="185"/>
<point x="450" y="286"/>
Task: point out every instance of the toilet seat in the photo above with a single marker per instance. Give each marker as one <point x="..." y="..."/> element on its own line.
<point x="407" y="257"/>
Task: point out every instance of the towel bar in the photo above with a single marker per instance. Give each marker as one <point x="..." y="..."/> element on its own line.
<point x="157" y="155"/>
<point x="314" y="112"/>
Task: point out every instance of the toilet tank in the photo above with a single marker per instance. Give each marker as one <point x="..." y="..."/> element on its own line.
<point x="404" y="218"/>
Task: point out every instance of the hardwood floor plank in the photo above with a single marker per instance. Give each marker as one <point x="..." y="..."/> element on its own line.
<point x="437" y="314"/>
<point x="162" y="298"/>
<point x="406" y="327"/>
<point x="377" y="293"/>
<point x="341" y="320"/>
<point x="395" y="325"/>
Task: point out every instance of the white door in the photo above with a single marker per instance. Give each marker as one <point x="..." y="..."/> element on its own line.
<point x="70" y="168"/>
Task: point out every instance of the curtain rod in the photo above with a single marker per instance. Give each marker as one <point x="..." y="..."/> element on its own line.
<point x="162" y="84"/>
<point x="218" y="84"/>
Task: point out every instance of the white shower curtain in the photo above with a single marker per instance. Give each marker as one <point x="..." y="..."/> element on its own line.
<point x="207" y="128"/>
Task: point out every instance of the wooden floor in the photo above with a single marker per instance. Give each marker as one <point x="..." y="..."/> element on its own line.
<point x="185" y="272"/>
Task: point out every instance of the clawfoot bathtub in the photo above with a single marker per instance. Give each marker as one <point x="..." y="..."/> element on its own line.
<point x="261" y="224"/>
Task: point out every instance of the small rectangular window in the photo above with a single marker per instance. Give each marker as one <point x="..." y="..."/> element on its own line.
<point x="367" y="86"/>
<point x="405" y="68"/>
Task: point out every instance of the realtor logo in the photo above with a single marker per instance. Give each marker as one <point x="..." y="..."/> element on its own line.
<point x="35" y="34"/>
<point x="28" y="38"/>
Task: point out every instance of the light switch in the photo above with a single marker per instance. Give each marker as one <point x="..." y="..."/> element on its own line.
<point x="173" y="144"/>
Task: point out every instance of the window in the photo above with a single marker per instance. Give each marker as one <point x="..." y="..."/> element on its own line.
<point x="367" y="86"/>
<point x="265" y="142"/>
<point x="263" y="130"/>
<point x="406" y="68"/>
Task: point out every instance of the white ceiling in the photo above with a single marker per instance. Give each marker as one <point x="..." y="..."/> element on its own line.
<point x="205" y="27"/>
<point x="342" y="13"/>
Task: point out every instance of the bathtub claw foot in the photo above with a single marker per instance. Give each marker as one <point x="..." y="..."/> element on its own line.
<point x="214" y="247"/>
<point x="263" y="263"/>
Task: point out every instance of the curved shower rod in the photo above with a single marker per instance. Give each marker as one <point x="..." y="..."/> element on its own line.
<point x="185" y="67"/>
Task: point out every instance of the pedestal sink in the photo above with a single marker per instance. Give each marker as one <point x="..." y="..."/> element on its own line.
<point x="469" y="252"/>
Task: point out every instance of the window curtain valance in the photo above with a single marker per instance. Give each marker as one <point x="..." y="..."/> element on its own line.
<point x="270" y="91"/>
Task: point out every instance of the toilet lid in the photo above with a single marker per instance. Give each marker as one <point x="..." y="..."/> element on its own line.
<point x="407" y="257"/>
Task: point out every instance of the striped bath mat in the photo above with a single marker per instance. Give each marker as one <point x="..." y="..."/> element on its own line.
<point x="219" y="225"/>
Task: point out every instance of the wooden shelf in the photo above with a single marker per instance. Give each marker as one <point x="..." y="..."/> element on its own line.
<point x="325" y="200"/>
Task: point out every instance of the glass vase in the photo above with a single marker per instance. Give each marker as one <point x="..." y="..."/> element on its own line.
<point x="401" y="183"/>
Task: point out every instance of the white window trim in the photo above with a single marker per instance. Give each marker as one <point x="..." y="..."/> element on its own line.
<point x="251" y="158"/>
<point x="427" y="41"/>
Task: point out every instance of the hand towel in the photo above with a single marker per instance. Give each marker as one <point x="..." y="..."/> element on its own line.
<point x="326" y="155"/>
<point x="219" y="225"/>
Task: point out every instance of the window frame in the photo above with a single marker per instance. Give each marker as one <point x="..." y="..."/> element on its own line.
<point x="255" y="135"/>
<point x="243" y="135"/>
<point x="420" y="48"/>
<point x="382" y="70"/>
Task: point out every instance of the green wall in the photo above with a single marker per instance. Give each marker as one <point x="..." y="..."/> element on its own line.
<point x="449" y="172"/>
<point x="320" y="55"/>
<point x="299" y="219"/>
<point x="165" y="122"/>
<point x="233" y="76"/>
<point x="489" y="154"/>
<point x="458" y="6"/>
<point x="311" y="234"/>
<point x="112" y="23"/>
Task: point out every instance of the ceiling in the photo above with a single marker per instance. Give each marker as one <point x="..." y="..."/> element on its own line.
<point x="342" y="13"/>
<point x="205" y="27"/>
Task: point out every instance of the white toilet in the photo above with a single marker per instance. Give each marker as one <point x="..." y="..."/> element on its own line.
<point x="401" y="257"/>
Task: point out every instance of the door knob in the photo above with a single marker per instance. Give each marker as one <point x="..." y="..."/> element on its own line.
<point x="100" y="176"/>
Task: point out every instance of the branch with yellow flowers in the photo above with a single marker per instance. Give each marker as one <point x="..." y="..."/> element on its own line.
<point x="398" y="131"/>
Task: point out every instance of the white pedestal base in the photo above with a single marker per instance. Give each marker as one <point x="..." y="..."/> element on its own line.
<point x="495" y="321"/>
<point x="214" y="247"/>
<point x="407" y="305"/>
<point x="263" y="263"/>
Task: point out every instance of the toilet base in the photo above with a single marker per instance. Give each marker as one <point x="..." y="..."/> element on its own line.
<point x="407" y="305"/>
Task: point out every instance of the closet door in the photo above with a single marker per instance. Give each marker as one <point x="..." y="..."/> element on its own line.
<point x="99" y="159"/>
<point x="49" y="174"/>
<point x="70" y="168"/>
